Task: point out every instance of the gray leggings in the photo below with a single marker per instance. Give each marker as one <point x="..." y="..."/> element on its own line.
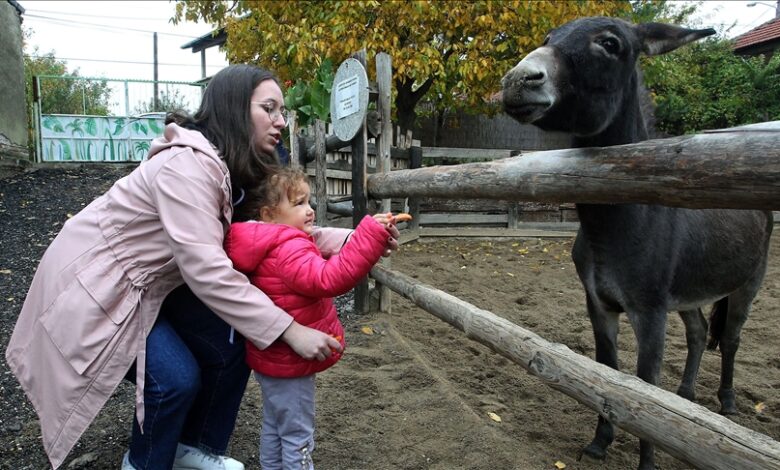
<point x="287" y="436"/>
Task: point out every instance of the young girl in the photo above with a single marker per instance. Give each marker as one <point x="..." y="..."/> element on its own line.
<point x="280" y="257"/>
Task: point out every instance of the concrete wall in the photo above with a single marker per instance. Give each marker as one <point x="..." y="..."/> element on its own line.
<point x="13" y="112"/>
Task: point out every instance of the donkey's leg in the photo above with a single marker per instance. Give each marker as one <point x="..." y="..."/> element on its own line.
<point x="738" y="309"/>
<point x="696" y="338"/>
<point x="739" y="303"/>
<point x="605" y="330"/>
<point x="650" y="330"/>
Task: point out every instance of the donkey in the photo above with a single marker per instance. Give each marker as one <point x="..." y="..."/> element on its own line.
<point x="645" y="260"/>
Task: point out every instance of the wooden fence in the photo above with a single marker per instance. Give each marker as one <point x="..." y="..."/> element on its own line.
<point x="730" y="168"/>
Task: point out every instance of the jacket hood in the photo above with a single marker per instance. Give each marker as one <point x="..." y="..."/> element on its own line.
<point x="177" y="136"/>
<point x="248" y="243"/>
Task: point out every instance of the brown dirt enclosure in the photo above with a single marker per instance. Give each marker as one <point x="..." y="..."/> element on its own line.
<point x="412" y="392"/>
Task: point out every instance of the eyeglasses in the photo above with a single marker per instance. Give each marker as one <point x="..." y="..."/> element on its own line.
<point x="274" y="113"/>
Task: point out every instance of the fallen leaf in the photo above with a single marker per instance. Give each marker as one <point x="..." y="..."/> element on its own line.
<point x="759" y="407"/>
<point x="510" y="274"/>
<point x="560" y="465"/>
<point x="494" y="417"/>
<point x="367" y="330"/>
<point x="69" y="215"/>
<point x="5" y="271"/>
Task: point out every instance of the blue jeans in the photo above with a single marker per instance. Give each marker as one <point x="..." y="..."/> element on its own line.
<point x="195" y="379"/>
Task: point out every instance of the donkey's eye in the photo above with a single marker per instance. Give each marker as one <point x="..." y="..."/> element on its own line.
<point x="610" y="44"/>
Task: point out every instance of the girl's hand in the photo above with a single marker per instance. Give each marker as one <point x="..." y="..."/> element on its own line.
<point x="389" y="220"/>
<point x="310" y="343"/>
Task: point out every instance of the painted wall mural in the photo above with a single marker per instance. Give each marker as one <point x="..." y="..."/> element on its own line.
<point x="97" y="138"/>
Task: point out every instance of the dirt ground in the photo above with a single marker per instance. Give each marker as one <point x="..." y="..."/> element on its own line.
<point x="412" y="392"/>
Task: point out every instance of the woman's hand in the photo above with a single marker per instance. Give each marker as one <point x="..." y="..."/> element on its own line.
<point x="310" y="343"/>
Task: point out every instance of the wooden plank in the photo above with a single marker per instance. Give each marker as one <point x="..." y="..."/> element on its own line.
<point x="467" y="154"/>
<point x="734" y="168"/>
<point x="686" y="430"/>
<point x="566" y="231"/>
<point x="462" y="218"/>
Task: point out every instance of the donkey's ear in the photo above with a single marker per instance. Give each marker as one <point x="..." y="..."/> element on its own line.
<point x="660" y="38"/>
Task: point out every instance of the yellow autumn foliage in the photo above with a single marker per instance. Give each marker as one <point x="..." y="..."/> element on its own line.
<point x="454" y="50"/>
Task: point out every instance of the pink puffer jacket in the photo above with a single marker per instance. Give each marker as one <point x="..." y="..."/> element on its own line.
<point x="285" y="263"/>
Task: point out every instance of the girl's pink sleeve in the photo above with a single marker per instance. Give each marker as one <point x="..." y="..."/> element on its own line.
<point x="308" y="273"/>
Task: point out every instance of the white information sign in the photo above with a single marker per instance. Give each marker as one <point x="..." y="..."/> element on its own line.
<point x="347" y="101"/>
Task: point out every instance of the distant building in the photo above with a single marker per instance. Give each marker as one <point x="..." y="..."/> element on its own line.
<point x="764" y="39"/>
<point x="214" y="38"/>
<point x="13" y="112"/>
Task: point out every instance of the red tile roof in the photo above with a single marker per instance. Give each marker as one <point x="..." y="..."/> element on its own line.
<point x="768" y="31"/>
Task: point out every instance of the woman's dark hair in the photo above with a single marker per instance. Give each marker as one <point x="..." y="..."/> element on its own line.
<point x="224" y="119"/>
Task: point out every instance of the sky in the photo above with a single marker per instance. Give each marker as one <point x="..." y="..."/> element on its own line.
<point x="100" y="37"/>
<point x="114" y="39"/>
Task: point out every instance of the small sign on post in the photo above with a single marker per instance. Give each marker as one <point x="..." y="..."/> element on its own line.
<point x="349" y="99"/>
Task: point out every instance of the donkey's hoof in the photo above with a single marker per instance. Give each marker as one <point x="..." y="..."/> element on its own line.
<point x="594" y="451"/>
<point x="687" y="393"/>
<point x="728" y="401"/>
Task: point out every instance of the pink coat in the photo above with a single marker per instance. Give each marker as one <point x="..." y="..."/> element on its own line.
<point x="285" y="263"/>
<point x="99" y="286"/>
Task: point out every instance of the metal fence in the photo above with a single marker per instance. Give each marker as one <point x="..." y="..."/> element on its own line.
<point x="130" y="113"/>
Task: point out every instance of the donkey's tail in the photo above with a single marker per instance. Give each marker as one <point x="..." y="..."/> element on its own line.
<point x="717" y="322"/>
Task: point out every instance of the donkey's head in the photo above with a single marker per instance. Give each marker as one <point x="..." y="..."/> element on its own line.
<point x="583" y="78"/>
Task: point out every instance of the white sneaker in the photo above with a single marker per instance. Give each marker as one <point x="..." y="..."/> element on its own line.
<point x="126" y="465"/>
<point x="192" y="458"/>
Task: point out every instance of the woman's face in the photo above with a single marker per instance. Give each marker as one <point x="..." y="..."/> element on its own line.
<point x="267" y="101"/>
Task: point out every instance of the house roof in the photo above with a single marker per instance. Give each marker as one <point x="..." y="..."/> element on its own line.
<point x="767" y="32"/>
<point x="214" y="38"/>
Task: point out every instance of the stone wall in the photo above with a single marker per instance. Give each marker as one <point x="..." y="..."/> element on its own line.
<point x="13" y="112"/>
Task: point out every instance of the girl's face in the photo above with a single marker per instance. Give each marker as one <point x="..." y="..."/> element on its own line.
<point x="295" y="212"/>
<point x="267" y="112"/>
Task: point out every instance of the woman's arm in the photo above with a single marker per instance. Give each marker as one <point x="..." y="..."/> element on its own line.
<point x="189" y="197"/>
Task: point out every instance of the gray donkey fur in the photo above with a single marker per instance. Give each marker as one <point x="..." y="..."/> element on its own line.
<point x="645" y="260"/>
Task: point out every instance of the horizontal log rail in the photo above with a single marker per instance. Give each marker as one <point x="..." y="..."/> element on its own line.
<point x="682" y="428"/>
<point x="728" y="168"/>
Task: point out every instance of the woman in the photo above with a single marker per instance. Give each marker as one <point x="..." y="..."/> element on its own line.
<point x="107" y="296"/>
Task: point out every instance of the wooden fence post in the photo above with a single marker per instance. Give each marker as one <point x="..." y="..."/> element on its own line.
<point x="295" y="149"/>
<point x="359" y="197"/>
<point x="415" y="161"/>
<point x="384" y="78"/>
<point x="320" y="178"/>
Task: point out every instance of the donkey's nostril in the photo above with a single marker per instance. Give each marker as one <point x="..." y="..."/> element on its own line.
<point x="533" y="76"/>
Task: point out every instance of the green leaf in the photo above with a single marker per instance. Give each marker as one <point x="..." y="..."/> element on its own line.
<point x="66" y="153"/>
<point x="91" y="126"/>
<point x="156" y="129"/>
<point x="119" y="124"/>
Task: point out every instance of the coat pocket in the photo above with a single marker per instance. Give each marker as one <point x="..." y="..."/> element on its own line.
<point x="89" y="312"/>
